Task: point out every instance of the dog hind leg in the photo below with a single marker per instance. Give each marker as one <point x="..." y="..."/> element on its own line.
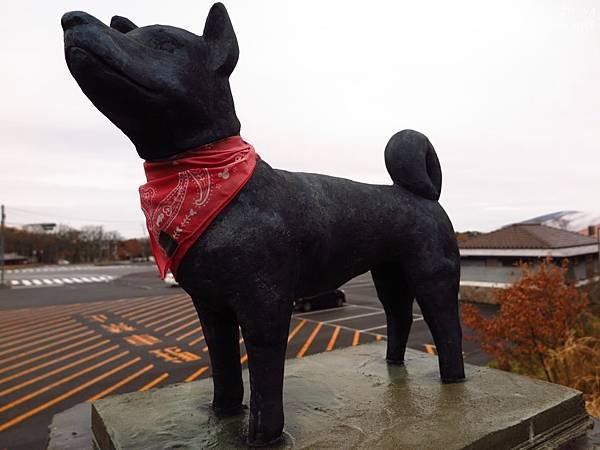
<point x="397" y="297"/>
<point x="222" y="335"/>
<point x="438" y="299"/>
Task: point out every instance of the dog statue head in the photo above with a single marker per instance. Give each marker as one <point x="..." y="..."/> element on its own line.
<point x="167" y="89"/>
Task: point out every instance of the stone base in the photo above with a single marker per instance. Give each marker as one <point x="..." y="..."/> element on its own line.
<point x="351" y="398"/>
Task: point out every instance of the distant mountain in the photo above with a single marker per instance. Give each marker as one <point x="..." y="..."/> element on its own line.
<point x="577" y="221"/>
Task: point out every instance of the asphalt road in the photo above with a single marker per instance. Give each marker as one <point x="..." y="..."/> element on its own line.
<point x="62" y="345"/>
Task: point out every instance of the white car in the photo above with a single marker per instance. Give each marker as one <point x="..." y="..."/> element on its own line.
<point x="170" y="280"/>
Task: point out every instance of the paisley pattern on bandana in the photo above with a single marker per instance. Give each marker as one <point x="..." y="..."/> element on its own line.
<point x="184" y="195"/>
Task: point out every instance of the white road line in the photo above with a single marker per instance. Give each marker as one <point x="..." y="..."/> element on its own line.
<point x="373" y="328"/>
<point x="364" y="306"/>
<point x="61" y="281"/>
<point x="337" y="308"/>
<point x="358" y="316"/>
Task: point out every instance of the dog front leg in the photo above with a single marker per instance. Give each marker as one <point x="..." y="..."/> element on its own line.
<point x="265" y="336"/>
<point x="222" y="335"/>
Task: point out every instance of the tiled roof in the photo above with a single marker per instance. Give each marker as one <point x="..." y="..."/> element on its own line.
<point x="529" y="236"/>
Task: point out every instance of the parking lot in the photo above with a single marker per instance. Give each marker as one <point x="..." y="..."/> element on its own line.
<point x="55" y="356"/>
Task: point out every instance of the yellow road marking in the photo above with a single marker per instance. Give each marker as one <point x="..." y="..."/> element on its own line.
<point x="44" y="347"/>
<point x="48" y="330"/>
<point x="34" y="328"/>
<point x="57" y="370"/>
<point x="153" y="383"/>
<point x="430" y="349"/>
<point x="72" y="329"/>
<point x="142" y="339"/>
<point x="44" y="311"/>
<point x="158" y="312"/>
<point x="63" y="380"/>
<point x="334" y="337"/>
<point x="61" y="397"/>
<point x="51" y="313"/>
<point x="309" y="340"/>
<point x="156" y="302"/>
<point x="195" y="330"/>
<point x="148" y="314"/>
<point x="296" y="329"/>
<point x="195" y="341"/>
<point x="181" y="327"/>
<point x="197" y="373"/>
<point x="356" y="338"/>
<point x="181" y="319"/>
<point x="136" y="305"/>
<point x="54" y="352"/>
<point x="53" y="361"/>
<point x="187" y="309"/>
<point x="123" y="382"/>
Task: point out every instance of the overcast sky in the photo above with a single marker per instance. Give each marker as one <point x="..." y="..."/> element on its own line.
<point x="508" y="95"/>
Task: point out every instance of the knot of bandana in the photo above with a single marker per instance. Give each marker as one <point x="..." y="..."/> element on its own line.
<point x="184" y="195"/>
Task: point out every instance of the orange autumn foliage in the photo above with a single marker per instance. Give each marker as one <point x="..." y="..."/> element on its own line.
<point x="537" y="314"/>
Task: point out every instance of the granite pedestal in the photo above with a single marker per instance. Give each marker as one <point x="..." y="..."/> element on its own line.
<point x="351" y="398"/>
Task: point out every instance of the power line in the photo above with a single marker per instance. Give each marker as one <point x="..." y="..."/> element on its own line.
<point x="38" y="214"/>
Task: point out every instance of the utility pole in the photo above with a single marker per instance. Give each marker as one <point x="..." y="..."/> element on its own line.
<point x="2" y="218"/>
<point x="598" y="238"/>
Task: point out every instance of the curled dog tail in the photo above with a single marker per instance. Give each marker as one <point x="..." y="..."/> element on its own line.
<point x="413" y="164"/>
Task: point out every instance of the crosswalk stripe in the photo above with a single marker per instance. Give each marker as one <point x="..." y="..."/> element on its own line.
<point x="62" y="281"/>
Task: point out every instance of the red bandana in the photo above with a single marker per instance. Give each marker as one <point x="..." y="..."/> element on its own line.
<point x="184" y="195"/>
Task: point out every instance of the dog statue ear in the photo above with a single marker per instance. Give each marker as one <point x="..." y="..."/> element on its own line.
<point x="221" y="40"/>
<point x="122" y="24"/>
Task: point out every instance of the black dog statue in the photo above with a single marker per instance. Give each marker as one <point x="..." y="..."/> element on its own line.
<point x="285" y="235"/>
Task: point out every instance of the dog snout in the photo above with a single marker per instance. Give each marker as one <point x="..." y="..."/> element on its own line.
<point x="76" y="18"/>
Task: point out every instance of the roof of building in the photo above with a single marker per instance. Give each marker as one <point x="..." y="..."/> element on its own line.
<point x="527" y="236"/>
